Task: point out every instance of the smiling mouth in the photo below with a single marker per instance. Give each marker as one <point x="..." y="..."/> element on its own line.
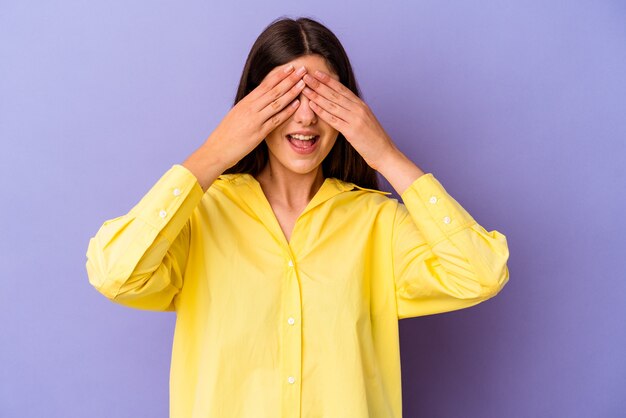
<point x="303" y="143"/>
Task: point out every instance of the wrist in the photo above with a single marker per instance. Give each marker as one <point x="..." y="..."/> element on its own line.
<point x="399" y="171"/>
<point x="388" y="160"/>
<point x="205" y="164"/>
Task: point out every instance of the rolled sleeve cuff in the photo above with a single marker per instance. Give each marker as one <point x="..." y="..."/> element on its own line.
<point x="437" y="214"/>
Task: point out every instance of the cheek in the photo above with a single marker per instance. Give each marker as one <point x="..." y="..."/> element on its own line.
<point x="273" y="137"/>
<point x="329" y="145"/>
<point x="332" y="136"/>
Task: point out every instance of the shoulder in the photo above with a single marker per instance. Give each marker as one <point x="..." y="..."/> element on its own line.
<point x="228" y="181"/>
<point x="371" y="197"/>
<point x="228" y="186"/>
<point x="355" y="188"/>
<point x="230" y="178"/>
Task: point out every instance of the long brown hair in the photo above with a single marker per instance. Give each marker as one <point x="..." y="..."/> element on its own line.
<point x="285" y="40"/>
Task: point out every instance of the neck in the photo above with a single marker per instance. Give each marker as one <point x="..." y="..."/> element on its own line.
<point x="289" y="189"/>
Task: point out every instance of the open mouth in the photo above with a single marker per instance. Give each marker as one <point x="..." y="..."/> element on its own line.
<point x="303" y="144"/>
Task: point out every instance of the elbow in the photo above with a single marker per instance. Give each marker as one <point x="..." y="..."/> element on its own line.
<point x="106" y="277"/>
<point x="96" y="269"/>
<point x="138" y="292"/>
<point x="147" y="290"/>
<point x="495" y="272"/>
<point x="497" y="282"/>
<point x="486" y="271"/>
<point x="496" y="275"/>
<point x="102" y="280"/>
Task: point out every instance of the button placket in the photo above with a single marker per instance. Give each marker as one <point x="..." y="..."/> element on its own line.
<point x="292" y="336"/>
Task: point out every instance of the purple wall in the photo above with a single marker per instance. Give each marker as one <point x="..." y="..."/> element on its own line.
<point x="518" y="108"/>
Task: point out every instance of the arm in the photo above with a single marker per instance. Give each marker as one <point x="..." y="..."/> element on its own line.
<point x="138" y="259"/>
<point x="443" y="260"/>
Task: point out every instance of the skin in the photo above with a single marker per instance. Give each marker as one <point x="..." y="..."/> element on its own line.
<point x="271" y="111"/>
<point x="290" y="180"/>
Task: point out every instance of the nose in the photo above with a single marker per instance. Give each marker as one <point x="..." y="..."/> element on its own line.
<point x="304" y="114"/>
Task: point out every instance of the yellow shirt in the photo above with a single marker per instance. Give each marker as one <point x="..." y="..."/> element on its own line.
<point x="306" y="328"/>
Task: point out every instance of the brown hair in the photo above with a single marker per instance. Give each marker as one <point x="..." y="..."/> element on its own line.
<point x="285" y="40"/>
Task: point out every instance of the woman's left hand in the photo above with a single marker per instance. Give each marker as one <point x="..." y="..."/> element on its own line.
<point x="338" y="106"/>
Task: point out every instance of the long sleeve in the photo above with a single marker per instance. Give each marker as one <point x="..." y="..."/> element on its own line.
<point x="443" y="260"/>
<point x="138" y="259"/>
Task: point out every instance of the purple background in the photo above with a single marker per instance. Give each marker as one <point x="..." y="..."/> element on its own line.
<point x="517" y="107"/>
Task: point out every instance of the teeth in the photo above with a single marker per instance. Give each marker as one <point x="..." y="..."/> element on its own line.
<point x="303" y="137"/>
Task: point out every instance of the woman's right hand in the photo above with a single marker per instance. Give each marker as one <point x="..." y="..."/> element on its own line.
<point x="247" y="123"/>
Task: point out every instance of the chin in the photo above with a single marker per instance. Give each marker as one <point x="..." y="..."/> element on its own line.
<point x="302" y="169"/>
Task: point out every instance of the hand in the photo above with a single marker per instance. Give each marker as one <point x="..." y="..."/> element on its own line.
<point x="267" y="106"/>
<point x="247" y="124"/>
<point x="338" y="106"/>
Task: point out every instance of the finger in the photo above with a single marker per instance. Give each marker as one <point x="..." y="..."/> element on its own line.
<point x="337" y="123"/>
<point x="325" y="91"/>
<point x="273" y="78"/>
<point x="336" y="86"/>
<point x="271" y="108"/>
<point x="280" y="117"/>
<point x="330" y="106"/>
<point x="274" y="95"/>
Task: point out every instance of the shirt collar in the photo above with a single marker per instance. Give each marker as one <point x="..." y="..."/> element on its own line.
<point x="247" y="191"/>
<point x="329" y="188"/>
<point x="244" y="183"/>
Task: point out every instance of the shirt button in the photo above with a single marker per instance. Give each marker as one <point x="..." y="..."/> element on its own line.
<point x="291" y="380"/>
<point x="163" y="214"/>
<point x="433" y="199"/>
<point x="176" y="192"/>
<point x="291" y="321"/>
<point x="290" y="263"/>
<point x="446" y="220"/>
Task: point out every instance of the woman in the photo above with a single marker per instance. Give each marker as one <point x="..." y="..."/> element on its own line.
<point x="287" y="268"/>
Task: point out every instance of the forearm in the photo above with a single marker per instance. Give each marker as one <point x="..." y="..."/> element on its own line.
<point x="137" y="259"/>
<point x="399" y="170"/>
<point x="443" y="259"/>
<point x="205" y="164"/>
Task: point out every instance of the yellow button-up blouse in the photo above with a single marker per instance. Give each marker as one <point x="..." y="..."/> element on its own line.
<point x="267" y="328"/>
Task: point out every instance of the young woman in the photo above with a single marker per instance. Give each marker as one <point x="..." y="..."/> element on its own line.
<point x="287" y="268"/>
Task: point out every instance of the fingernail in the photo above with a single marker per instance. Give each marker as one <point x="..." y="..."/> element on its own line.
<point x="300" y="84"/>
<point x="295" y="103"/>
<point x="289" y="68"/>
<point x="318" y="73"/>
<point x="301" y="70"/>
